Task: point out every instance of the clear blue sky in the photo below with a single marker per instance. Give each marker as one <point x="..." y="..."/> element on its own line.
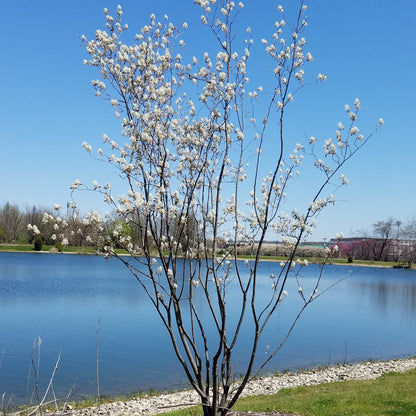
<point x="365" y="47"/>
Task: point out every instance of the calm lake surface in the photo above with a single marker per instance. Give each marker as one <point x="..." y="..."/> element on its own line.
<point x="66" y="299"/>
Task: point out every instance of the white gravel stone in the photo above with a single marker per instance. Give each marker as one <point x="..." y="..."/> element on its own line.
<point x="152" y="405"/>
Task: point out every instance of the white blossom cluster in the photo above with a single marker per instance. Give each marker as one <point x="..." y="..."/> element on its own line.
<point x="206" y="169"/>
<point x="197" y="137"/>
<point x="185" y="137"/>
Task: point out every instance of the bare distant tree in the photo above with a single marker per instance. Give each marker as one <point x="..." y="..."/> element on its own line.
<point x="409" y="235"/>
<point x="384" y="230"/>
<point x="10" y="220"/>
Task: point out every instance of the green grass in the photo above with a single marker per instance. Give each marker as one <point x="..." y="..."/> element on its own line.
<point x="45" y="248"/>
<point x="16" y="247"/>
<point x="393" y="394"/>
<point x="330" y="261"/>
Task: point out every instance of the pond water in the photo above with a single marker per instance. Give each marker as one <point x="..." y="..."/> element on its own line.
<point x="67" y="299"/>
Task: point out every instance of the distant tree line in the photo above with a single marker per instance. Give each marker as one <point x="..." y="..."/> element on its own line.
<point x="81" y="230"/>
<point x="388" y="240"/>
<point x="13" y="223"/>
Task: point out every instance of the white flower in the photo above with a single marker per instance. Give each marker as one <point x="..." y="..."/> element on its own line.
<point x="76" y="184"/>
<point x="309" y="57"/>
<point x="380" y="122"/>
<point x="56" y="207"/>
<point x="87" y="147"/>
<point x="354" y="130"/>
<point x="280" y="9"/>
<point x="344" y="179"/>
<point x="195" y="283"/>
<point x="339" y="236"/>
<point x="33" y="228"/>
<point x="321" y="77"/>
<point x="53" y="236"/>
<point x="299" y="75"/>
<point x="65" y="242"/>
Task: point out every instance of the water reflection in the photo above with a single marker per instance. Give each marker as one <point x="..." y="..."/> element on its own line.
<point x="54" y="279"/>
<point x="389" y="297"/>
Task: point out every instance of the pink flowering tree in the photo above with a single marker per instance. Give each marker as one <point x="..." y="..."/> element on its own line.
<point x="192" y="153"/>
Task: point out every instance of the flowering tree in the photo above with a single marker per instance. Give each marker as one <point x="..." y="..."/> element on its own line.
<point x="188" y="133"/>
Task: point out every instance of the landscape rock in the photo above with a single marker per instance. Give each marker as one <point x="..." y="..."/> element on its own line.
<point x="152" y="405"/>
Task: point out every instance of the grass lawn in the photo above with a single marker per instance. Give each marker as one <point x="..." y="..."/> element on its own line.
<point x="372" y="263"/>
<point x="45" y="248"/>
<point x="393" y="394"/>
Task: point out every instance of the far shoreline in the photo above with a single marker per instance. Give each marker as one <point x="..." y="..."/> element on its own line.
<point x="337" y="262"/>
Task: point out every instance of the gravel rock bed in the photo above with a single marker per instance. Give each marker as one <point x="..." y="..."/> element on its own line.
<point x="152" y="405"/>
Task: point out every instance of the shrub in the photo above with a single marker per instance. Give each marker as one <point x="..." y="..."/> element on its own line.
<point x="58" y="245"/>
<point x="37" y="244"/>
